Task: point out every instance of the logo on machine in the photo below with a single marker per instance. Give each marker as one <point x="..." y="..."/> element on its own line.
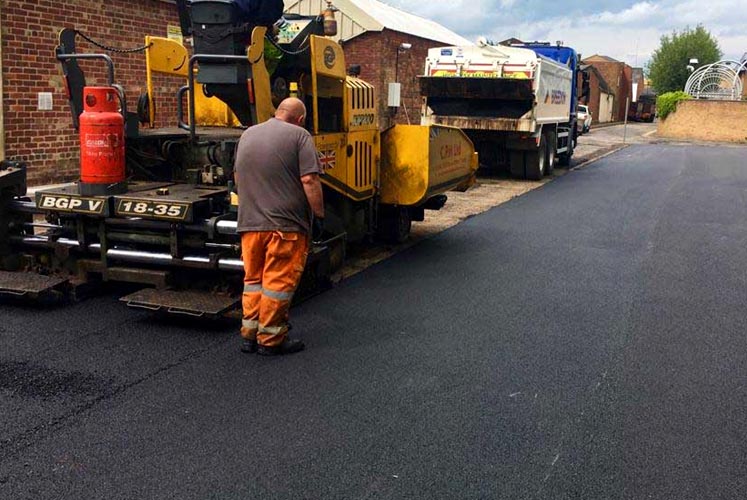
<point x="556" y="97"/>
<point x="328" y="159"/>
<point x="329" y="57"/>
<point x="363" y="119"/>
<point x="92" y="206"/>
<point x="451" y="150"/>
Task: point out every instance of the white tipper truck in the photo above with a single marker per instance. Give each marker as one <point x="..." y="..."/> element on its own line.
<point x="516" y="103"/>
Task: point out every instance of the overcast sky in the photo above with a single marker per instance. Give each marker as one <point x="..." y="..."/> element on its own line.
<point x="626" y="30"/>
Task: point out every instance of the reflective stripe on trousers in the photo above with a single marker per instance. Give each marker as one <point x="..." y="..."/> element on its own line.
<point x="273" y="265"/>
<point x="270" y="293"/>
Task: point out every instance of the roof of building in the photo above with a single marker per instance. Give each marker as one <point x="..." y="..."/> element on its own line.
<point x="510" y="41"/>
<point x="603" y="86"/>
<point x="600" y="58"/>
<point x="373" y="15"/>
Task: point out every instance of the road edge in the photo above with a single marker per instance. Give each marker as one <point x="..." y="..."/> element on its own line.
<point x="606" y="153"/>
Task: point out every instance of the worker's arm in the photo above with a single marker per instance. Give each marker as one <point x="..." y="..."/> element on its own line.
<point x="312" y="186"/>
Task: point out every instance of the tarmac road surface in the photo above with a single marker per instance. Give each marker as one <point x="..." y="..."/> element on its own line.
<point x="583" y="341"/>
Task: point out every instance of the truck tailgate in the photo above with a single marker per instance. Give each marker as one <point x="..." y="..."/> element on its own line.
<point x="514" y="89"/>
<point x="479" y="103"/>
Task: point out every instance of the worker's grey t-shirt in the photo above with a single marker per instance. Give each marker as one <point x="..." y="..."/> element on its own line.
<point x="271" y="158"/>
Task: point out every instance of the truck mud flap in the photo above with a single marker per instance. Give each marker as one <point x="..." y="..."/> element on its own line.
<point x="32" y="286"/>
<point x="182" y="302"/>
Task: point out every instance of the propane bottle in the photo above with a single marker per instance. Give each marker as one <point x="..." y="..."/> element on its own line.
<point x="329" y="21"/>
<point x="102" y="144"/>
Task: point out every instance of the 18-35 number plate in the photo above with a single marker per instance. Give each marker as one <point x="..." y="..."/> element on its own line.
<point x="152" y="209"/>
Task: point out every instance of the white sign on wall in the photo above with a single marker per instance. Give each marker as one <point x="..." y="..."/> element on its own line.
<point x="44" y="102"/>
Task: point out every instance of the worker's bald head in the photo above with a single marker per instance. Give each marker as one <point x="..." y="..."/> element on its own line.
<point x="291" y="110"/>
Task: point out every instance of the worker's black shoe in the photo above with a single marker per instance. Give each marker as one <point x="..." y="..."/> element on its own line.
<point x="287" y="347"/>
<point x="249" y="346"/>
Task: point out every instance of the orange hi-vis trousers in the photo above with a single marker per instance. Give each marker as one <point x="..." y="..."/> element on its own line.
<point x="273" y="265"/>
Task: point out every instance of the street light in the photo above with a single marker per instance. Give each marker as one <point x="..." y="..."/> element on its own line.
<point x="403" y="47"/>
<point x="691" y="66"/>
<point x="395" y="89"/>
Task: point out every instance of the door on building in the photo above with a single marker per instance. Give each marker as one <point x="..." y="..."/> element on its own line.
<point x="606" y="107"/>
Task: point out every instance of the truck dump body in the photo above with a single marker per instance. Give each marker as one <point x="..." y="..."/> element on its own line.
<point x="494" y="88"/>
<point x="465" y="102"/>
<point x="565" y="56"/>
<point x="516" y="104"/>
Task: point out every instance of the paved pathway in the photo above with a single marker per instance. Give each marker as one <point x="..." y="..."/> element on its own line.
<point x="583" y="341"/>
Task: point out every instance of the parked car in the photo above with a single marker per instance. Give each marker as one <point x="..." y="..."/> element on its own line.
<point x="583" y="115"/>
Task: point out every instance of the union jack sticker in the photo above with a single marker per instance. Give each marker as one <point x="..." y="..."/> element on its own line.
<point x="328" y="159"/>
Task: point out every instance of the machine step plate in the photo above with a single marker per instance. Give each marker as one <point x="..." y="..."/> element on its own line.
<point x="190" y="303"/>
<point x="30" y="285"/>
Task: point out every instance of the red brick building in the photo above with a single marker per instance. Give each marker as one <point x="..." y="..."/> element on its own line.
<point x="619" y="79"/>
<point x="372" y="34"/>
<point x="600" y="99"/>
<point x="45" y="138"/>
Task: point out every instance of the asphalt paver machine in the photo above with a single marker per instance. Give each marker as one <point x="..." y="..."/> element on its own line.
<point x="156" y="205"/>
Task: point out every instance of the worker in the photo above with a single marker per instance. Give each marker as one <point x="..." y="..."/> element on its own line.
<point x="277" y="174"/>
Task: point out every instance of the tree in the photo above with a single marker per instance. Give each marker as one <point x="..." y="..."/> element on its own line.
<point x="667" y="68"/>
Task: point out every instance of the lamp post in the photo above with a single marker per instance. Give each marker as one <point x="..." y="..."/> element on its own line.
<point x="395" y="89"/>
<point x="403" y="47"/>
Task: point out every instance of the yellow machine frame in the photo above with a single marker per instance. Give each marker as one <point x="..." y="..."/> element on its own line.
<point x="420" y="161"/>
<point x="169" y="57"/>
<point x="350" y="156"/>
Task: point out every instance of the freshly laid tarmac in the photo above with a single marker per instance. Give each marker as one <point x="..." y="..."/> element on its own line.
<point x="582" y="341"/>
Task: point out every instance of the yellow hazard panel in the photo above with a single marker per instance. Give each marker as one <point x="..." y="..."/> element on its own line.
<point x="419" y="162"/>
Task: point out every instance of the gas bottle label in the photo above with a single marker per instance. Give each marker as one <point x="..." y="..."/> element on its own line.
<point x="75" y="204"/>
<point x="97" y="141"/>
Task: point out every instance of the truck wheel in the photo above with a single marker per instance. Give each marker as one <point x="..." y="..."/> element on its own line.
<point x="394" y="224"/>
<point x="535" y="161"/>
<point x="516" y="164"/>
<point x="550" y="148"/>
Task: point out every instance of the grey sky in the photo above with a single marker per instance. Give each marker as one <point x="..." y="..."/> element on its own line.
<point x="626" y="30"/>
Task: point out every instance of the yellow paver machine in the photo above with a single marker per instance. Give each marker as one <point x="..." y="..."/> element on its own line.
<point x="170" y="224"/>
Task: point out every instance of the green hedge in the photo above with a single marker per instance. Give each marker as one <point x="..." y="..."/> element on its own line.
<point x="667" y="103"/>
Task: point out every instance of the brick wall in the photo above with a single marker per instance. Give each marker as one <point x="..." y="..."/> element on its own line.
<point x="46" y="139"/>
<point x="612" y="74"/>
<point x="376" y="52"/>
<point x="592" y="101"/>
<point x="618" y="76"/>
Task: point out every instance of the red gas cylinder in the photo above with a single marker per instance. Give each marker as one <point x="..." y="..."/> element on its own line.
<point x="102" y="145"/>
